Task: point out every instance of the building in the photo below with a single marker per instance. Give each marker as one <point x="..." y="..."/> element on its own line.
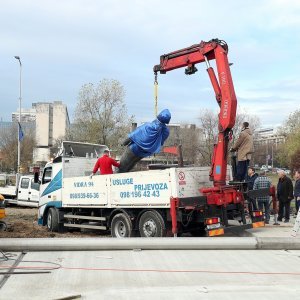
<point x="51" y="120"/>
<point x="268" y="136"/>
<point x="27" y="115"/>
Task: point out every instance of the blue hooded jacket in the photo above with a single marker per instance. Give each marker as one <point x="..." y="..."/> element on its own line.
<point x="148" y="138"/>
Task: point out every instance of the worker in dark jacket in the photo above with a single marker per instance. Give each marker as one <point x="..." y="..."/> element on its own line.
<point x="250" y="182"/>
<point x="104" y="164"/>
<point x="285" y="195"/>
<point x="145" y="140"/>
<point x="244" y="148"/>
<point x="297" y="190"/>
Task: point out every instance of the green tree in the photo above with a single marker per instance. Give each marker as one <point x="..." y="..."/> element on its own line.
<point x="288" y="152"/>
<point x="101" y="114"/>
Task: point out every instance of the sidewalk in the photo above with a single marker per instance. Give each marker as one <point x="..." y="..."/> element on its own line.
<point x="270" y="230"/>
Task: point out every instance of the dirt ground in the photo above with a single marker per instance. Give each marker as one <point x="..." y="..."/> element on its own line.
<point x="22" y="223"/>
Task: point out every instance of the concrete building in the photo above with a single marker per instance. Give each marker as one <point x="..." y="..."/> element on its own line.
<point x="27" y="115"/>
<point x="268" y="136"/>
<point x="51" y="121"/>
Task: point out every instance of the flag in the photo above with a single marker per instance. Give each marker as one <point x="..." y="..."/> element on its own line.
<point x="21" y="133"/>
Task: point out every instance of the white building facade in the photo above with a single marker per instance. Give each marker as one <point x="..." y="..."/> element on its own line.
<point x="51" y="123"/>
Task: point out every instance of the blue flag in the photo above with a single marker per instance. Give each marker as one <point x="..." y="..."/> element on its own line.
<point x="21" y="133"/>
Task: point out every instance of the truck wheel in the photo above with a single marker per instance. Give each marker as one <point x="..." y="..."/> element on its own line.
<point x="152" y="224"/>
<point x="52" y="220"/>
<point x="3" y="226"/>
<point x="121" y="226"/>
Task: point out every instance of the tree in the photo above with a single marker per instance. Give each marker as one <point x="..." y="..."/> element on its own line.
<point x="209" y="132"/>
<point x="289" y="151"/>
<point x="101" y="114"/>
<point x="9" y="149"/>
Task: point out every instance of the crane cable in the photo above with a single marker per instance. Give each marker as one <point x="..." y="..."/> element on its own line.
<point x="155" y="93"/>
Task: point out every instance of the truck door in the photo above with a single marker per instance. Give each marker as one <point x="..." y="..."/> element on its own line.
<point x="23" y="192"/>
<point x="34" y="191"/>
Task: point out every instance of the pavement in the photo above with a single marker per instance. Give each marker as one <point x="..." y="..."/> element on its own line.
<point x="271" y="230"/>
<point x="151" y="271"/>
<point x="160" y="274"/>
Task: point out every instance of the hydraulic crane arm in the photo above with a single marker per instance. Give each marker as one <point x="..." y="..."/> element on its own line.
<point x="224" y="91"/>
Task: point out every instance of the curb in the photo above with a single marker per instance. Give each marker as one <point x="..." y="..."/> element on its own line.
<point x="91" y="244"/>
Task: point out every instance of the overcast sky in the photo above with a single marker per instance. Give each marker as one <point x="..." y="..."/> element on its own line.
<point x="65" y="44"/>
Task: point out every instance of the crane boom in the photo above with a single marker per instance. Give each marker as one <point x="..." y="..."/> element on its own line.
<point x="223" y="88"/>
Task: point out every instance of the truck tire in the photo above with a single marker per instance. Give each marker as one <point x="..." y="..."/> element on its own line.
<point x="3" y="226"/>
<point x="121" y="226"/>
<point x="152" y="224"/>
<point x="52" y="220"/>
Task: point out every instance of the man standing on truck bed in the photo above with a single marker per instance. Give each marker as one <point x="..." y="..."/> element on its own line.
<point x="104" y="164"/>
<point x="244" y="148"/>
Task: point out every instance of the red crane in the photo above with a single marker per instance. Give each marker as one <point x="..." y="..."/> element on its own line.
<point x="216" y="49"/>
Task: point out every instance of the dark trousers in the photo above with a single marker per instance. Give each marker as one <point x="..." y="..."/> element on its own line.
<point x="264" y="206"/>
<point x="297" y="205"/>
<point x="284" y="208"/>
<point x="242" y="168"/>
<point x="252" y="203"/>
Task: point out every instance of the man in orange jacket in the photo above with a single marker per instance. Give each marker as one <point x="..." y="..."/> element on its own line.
<point x="104" y="164"/>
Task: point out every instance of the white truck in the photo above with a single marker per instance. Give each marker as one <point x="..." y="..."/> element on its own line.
<point x="151" y="203"/>
<point x="25" y="193"/>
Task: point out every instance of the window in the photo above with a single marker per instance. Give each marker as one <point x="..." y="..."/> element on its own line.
<point x="34" y="185"/>
<point x="47" y="175"/>
<point x="24" y="183"/>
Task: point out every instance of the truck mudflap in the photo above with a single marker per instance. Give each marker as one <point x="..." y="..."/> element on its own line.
<point x="234" y="228"/>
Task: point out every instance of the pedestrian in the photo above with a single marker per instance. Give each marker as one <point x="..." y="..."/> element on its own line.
<point x="284" y="195"/>
<point x="262" y="182"/>
<point x="104" y="164"/>
<point x="297" y="190"/>
<point x="250" y="182"/>
<point x="244" y="147"/>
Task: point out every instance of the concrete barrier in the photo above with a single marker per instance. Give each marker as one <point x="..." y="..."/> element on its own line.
<point x="86" y="244"/>
<point x="278" y="243"/>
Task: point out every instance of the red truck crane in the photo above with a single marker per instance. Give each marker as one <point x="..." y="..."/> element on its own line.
<point x="224" y="197"/>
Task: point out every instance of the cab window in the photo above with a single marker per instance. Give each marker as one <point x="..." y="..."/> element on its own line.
<point x="47" y="175"/>
<point x="24" y="183"/>
<point x="34" y="185"/>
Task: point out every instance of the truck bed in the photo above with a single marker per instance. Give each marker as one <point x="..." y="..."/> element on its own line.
<point x="145" y="188"/>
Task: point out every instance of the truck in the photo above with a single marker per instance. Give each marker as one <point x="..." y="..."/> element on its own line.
<point x="22" y="192"/>
<point x="141" y="203"/>
<point x="155" y="203"/>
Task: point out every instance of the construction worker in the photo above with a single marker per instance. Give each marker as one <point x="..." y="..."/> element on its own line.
<point x="104" y="164"/>
<point x="244" y="148"/>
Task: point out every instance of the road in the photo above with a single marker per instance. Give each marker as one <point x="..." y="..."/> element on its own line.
<point x="157" y="274"/>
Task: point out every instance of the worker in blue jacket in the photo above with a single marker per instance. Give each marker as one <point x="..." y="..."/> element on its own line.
<point x="145" y="140"/>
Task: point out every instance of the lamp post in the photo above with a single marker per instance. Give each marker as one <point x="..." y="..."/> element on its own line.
<point x="19" y="125"/>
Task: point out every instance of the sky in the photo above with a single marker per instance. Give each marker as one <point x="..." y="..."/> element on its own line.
<point x="65" y="44"/>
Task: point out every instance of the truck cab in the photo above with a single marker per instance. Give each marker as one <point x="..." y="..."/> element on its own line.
<point x="28" y="191"/>
<point x="73" y="160"/>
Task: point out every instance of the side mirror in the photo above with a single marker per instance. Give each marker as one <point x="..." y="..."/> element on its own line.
<point x="36" y="177"/>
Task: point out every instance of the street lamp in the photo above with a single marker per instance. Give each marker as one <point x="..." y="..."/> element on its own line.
<point x="19" y="125"/>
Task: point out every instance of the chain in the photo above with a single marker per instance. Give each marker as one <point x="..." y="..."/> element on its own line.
<point x="155" y="93"/>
